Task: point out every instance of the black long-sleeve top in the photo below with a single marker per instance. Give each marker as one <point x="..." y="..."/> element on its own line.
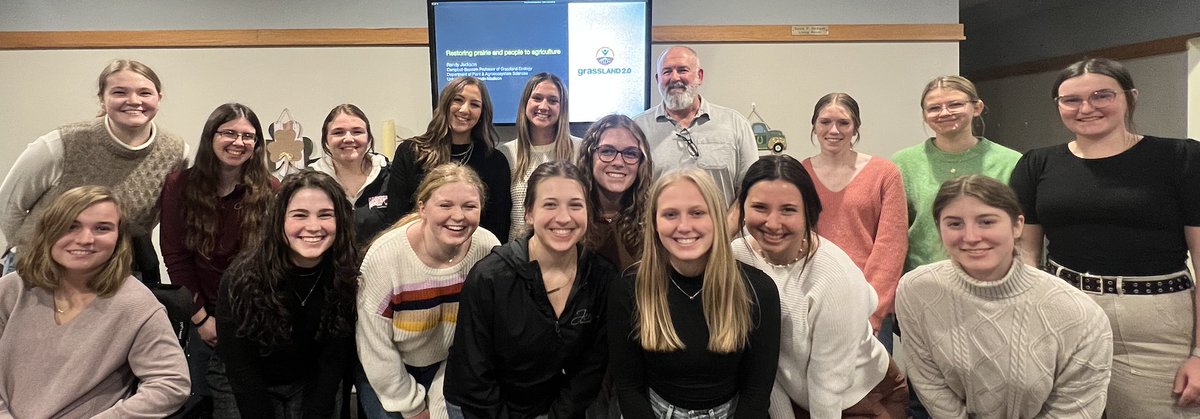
<point x="407" y="174"/>
<point x="694" y="378"/>
<point x="512" y="356"/>
<point x="318" y="364"/>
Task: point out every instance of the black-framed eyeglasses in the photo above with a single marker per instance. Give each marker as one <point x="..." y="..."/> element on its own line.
<point x="631" y="155"/>
<point x="686" y="136"/>
<point x="232" y="135"/>
<point x="1098" y="99"/>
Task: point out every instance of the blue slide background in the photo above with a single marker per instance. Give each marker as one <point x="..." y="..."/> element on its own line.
<point x="502" y="26"/>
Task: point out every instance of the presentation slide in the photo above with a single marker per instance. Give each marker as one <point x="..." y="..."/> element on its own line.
<point x="598" y="48"/>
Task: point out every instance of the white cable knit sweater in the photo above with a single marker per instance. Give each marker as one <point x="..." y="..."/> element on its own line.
<point x="1026" y="346"/>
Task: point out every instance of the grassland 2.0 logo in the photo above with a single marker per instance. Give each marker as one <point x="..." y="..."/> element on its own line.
<point x="604" y="56"/>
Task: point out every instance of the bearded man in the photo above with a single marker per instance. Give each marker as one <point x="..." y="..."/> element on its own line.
<point x="686" y="130"/>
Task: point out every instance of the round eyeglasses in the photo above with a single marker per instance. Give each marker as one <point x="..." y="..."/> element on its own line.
<point x="1098" y="99"/>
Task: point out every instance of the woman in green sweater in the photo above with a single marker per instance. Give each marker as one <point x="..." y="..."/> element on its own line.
<point x="952" y="109"/>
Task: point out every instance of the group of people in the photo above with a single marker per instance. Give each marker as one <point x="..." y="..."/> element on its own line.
<point x="657" y="267"/>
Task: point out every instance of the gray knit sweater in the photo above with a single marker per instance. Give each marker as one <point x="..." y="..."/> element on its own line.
<point x="92" y="157"/>
<point x="1026" y="346"/>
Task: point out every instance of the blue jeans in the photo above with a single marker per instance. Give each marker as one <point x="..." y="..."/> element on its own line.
<point x="886" y="332"/>
<point x="10" y="262"/>
<point x="455" y="412"/>
<point x="372" y="407"/>
<point x="666" y="410"/>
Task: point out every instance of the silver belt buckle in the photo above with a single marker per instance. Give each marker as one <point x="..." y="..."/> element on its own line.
<point x="1099" y="283"/>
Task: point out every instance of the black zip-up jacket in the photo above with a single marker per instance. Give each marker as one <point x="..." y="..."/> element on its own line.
<point x="511" y="357"/>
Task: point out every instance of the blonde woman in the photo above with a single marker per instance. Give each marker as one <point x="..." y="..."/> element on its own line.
<point x="543" y="135"/>
<point x="77" y="331"/>
<point x="692" y="331"/>
<point x="408" y="302"/>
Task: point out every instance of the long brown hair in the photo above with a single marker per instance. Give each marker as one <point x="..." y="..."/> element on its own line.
<point x="434" y="145"/>
<point x="633" y="201"/>
<point x="564" y="148"/>
<point x="37" y="266"/>
<point x="200" y="194"/>
<point x="726" y="297"/>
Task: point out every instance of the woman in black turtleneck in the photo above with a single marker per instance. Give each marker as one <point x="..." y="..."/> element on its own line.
<point x="286" y="306"/>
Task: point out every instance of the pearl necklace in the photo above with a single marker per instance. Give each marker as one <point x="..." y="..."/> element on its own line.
<point x="800" y="255"/>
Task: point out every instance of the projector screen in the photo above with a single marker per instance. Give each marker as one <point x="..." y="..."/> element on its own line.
<point x="599" y="48"/>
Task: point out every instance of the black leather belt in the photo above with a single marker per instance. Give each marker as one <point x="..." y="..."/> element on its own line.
<point x="1120" y="285"/>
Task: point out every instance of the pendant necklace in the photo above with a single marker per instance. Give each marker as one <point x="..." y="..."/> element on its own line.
<point x="304" y="301"/>
<point x="685" y="293"/>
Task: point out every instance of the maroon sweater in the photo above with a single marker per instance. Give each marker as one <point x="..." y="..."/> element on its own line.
<point x="186" y="267"/>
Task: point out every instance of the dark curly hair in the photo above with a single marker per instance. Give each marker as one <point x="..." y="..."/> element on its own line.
<point x="256" y="277"/>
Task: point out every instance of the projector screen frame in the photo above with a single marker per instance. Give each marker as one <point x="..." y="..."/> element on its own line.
<point x="436" y="83"/>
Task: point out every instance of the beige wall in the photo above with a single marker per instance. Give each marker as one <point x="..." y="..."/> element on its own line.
<point x="1193" y="90"/>
<point x="785" y="81"/>
<point x="1022" y="115"/>
<point x="44" y="89"/>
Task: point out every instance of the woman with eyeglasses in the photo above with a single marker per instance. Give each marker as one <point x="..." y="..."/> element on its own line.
<point x="953" y="110"/>
<point x="461" y="131"/>
<point x="350" y="158"/>
<point x="1121" y="214"/>
<point x="615" y="165"/>
<point x="121" y="148"/>
<point x="543" y="134"/>
<point x="863" y="197"/>
<point x="692" y="333"/>
<point x="209" y="212"/>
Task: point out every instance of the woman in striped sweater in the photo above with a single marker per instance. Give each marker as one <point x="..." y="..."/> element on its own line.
<point x="409" y="292"/>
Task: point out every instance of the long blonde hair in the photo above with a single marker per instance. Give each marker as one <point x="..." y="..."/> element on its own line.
<point x="726" y="297"/>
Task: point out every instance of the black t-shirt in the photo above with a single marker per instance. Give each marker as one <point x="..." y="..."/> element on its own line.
<point x="1119" y="215"/>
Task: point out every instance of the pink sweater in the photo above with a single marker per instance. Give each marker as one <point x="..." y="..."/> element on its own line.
<point x="869" y="220"/>
<point x="87" y="367"/>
